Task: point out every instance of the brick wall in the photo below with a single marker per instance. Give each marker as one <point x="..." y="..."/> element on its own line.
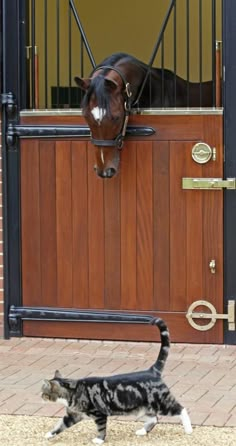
<point x="1" y="239"/>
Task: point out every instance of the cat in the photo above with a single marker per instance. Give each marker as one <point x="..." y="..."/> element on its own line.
<point x="142" y="393"/>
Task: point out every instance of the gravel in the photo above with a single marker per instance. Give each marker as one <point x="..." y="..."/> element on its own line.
<point x="18" y="430"/>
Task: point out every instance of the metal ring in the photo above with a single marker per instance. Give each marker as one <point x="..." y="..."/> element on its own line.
<point x="190" y="315"/>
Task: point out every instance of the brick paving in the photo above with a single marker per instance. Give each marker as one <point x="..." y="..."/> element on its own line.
<point x="203" y="377"/>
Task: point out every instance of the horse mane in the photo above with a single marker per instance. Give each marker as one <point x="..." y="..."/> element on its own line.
<point x="97" y="86"/>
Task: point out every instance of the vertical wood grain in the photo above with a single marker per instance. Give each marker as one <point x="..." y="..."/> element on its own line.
<point x="30" y="223"/>
<point x="194" y="231"/>
<point x="161" y="225"/>
<point x="48" y="247"/>
<point x="112" y="242"/>
<point x="137" y="242"/>
<point x="177" y="228"/>
<point x="80" y="224"/>
<point x="144" y="226"/>
<point x="128" y="227"/>
<point x="95" y="235"/>
<point x="64" y="223"/>
<point x="213" y="219"/>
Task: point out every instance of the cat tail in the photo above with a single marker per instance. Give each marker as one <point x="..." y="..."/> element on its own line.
<point x="158" y="366"/>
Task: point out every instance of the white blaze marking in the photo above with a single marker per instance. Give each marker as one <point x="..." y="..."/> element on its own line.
<point x="102" y="157"/>
<point x="98" y="113"/>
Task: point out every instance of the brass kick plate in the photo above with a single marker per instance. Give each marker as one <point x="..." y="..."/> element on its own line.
<point x="212" y="315"/>
<point x="208" y="183"/>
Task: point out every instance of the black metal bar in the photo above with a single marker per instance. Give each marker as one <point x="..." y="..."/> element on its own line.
<point x="46" y="51"/>
<point x="69" y="131"/>
<point x="82" y="57"/>
<point x="79" y="92"/>
<point x="23" y="98"/>
<point x="187" y="49"/>
<point x="200" y="52"/>
<point x="33" y="53"/>
<point x="163" y="71"/>
<point x="58" y="51"/>
<point x="214" y="52"/>
<point x="79" y="24"/>
<point x="14" y="80"/>
<point x="154" y="53"/>
<point x="175" y="52"/>
<point x="69" y="55"/>
<point x="74" y="315"/>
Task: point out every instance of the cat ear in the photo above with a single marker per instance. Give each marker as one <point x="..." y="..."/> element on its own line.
<point x="84" y="84"/>
<point x="57" y="374"/>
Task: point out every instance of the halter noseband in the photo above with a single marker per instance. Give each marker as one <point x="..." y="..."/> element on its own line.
<point x="118" y="141"/>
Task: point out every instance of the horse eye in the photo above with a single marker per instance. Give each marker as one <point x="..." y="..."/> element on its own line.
<point x="116" y="118"/>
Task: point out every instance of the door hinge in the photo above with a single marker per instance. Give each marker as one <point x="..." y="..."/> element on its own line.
<point x="212" y="315"/>
<point x="208" y="183"/>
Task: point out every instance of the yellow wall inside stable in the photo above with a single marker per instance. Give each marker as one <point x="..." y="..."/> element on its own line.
<point x="128" y="26"/>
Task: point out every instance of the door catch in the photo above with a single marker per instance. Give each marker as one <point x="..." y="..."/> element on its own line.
<point x="212" y="266"/>
<point x="208" y="183"/>
<point x="212" y="315"/>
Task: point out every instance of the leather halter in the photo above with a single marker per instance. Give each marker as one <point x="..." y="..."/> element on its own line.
<point x="118" y="140"/>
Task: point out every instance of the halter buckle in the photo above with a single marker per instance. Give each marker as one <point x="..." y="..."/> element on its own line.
<point x="127" y="90"/>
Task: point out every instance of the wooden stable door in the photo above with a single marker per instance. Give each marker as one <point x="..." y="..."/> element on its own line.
<point x="138" y="242"/>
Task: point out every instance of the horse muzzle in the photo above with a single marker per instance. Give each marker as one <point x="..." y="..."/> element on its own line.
<point x="109" y="172"/>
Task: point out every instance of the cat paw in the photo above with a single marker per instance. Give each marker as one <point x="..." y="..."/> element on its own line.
<point x="49" y="435"/>
<point x="141" y="432"/>
<point x="189" y="430"/>
<point x="98" y="441"/>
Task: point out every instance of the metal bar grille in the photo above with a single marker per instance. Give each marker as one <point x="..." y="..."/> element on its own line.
<point x="180" y="48"/>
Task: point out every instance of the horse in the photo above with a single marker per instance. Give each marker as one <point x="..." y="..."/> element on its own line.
<point x="112" y="91"/>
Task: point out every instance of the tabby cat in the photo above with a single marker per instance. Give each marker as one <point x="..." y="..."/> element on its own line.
<point x="142" y="393"/>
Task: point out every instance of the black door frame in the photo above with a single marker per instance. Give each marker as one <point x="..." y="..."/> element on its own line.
<point x="13" y="80"/>
<point x="14" y="33"/>
<point x="229" y="101"/>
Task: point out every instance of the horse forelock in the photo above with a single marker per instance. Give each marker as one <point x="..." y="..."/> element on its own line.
<point x="99" y="93"/>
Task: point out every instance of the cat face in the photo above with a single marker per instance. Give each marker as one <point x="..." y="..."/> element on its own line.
<point x="51" y="389"/>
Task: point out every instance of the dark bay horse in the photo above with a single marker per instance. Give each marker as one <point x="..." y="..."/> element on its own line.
<point x="112" y="90"/>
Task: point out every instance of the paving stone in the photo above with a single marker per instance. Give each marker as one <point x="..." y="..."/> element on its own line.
<point x="203" y="377"/>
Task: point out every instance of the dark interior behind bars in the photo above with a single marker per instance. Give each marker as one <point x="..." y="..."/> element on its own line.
<point x="70" y="96"/>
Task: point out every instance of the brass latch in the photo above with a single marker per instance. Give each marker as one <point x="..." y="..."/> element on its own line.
<point x="208" y="183"/>
<point x="213" y="315"/>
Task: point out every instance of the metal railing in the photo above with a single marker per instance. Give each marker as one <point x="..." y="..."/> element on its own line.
<point x="51" y="67"/>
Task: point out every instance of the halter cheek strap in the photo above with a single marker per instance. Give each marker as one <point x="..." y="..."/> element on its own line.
<point x="118" y="141"/>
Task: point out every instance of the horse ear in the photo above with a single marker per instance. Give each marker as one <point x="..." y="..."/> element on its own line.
<point x="110" y="83"/>
<point x="82" y="83"/>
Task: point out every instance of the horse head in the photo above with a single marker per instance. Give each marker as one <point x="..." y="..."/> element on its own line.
<point x="106" y="107"/>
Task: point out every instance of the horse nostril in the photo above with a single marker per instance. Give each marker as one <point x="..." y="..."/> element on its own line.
<point x="107" y="173"/>
<point x="110" y="172"/>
